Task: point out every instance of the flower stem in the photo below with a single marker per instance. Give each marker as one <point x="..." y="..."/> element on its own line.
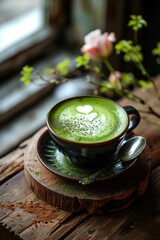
<point x="42" y="78"/>
<point x="151" y="110"/>
<point x="140" y="66"/>
<point x="150" y="121"/>
<point x="109" y="66"/>
<point x="111" y="69"/>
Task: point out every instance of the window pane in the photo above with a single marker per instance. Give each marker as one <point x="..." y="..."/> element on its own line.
<point x="18" y="20"/>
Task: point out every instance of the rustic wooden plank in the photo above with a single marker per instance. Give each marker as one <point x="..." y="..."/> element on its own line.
<point x="14" y="190"/>
<point x="11" y="164"/>
<point x="145" y="221"/>
<point x="98" y="227"/>
<point x="23" y="214"/>
<point x="139" y="222"/>
<point x="68" y="226"/>
<point x="26" y="229"/>
<point x="156" y="157"/>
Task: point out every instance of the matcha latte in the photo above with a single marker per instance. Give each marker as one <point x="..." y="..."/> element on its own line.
<point x="88" y="119"/>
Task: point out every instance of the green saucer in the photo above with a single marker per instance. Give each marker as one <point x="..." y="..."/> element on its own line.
<point x="56" y="162"/>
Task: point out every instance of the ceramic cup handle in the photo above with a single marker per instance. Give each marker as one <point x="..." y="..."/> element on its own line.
<point x="135" y="118"/>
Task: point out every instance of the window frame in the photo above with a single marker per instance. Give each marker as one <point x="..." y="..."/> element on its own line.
<point x="13" y="59"/>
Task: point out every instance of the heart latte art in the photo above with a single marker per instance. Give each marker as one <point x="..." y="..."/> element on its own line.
<point x="85" y="110"/>
<point x="88" y="119"/>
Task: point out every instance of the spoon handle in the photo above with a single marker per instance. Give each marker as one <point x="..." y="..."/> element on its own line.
<point x="90" y="179"/>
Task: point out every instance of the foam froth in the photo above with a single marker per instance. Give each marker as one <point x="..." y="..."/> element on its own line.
<point x="88" y="120"/>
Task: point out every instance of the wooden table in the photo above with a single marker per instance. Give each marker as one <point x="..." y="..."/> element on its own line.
<point x="24" y="216"/>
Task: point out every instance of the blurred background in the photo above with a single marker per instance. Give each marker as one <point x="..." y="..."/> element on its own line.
<point x="41" y="33"/>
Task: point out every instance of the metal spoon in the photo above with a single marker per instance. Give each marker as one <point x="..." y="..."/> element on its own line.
<point x="131" y="149"/>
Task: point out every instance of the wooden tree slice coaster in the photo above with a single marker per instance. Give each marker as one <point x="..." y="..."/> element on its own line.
<point x="98" y="198"/>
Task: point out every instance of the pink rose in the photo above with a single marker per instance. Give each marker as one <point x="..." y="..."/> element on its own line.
<point x="98" y="45"/>
<point x="112" y="77"/>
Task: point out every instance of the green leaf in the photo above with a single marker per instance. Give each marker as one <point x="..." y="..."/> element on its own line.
<point x="97" y="69"/>
<point x="63" y="66"/>
<point x="106" y="86"/>
<point x="103" y="89"/>
<point x="26" y="74"/>
<point x="48" y="71"/>
<point x="123" y="46"/>
<point x="156" y="51"/>
<point x="124" y="93"/>
<point x="132" y="53"/>
<point x="128" y="78"/>
<point x="145" y="85"/>
<point x="137" y="22"/>
<point x="83" y="61"/>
